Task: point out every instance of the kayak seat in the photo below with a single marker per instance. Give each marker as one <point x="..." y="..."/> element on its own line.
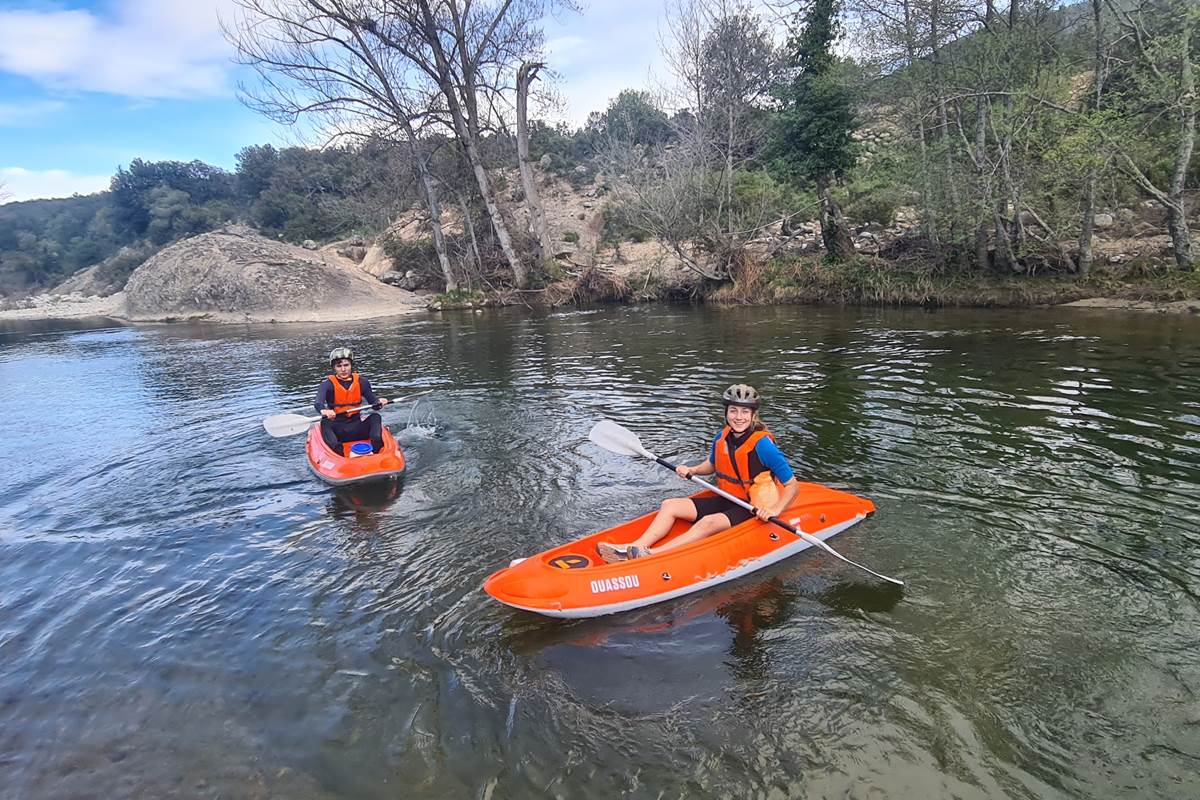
<point x="347" y="445"/>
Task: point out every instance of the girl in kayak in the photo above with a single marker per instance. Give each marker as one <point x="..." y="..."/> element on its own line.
<point x="343" y="390"/>
<point x="747" y="464"/>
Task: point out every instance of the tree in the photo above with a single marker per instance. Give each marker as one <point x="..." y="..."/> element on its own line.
<point x="131" y="189"/>
<point x="526" y="75"/>
<point x="737" y="64"/>
<point x="813" y="137"/>
<point x="470" y="50"/>
<point x="326" y="59"/>
<point x="632" y="118"/>
<point x="1160" y="39"/>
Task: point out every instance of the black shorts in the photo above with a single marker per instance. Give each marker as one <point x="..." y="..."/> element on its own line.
<point x="719" y="505"/>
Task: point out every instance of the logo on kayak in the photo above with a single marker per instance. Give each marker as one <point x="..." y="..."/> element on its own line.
<point x="570" y="561"/>
<point x="615" y="584"/>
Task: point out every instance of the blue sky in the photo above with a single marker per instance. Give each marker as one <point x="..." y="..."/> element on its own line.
<point x="87" y="86"/>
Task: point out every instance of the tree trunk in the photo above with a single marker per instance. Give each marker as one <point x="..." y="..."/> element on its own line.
<point x="944" y="123"/>
<point x="1177" y="222"/>
<point x="983" y="184"/>
<point x="537" y="215"/>
<point x="433" y="206"/>
<point x="1087" y="226"/>
<point x="1004" y="251"/>
<point x="983" y="179"/>
<point x="833" y="226"/>
<point x="928" y="212"/>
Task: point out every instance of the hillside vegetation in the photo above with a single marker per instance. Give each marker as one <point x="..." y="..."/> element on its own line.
<point x="959" y="140"/>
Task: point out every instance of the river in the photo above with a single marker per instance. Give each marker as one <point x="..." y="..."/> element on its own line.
<point x="186" y="612"/>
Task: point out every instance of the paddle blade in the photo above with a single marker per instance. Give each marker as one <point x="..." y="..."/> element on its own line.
<point x="613" y="437"/>
<point x="287" y="424"/>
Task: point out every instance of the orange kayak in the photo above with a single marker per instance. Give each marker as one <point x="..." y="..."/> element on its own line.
<point x="341" y="469"/>
<point x="573" y="581"/>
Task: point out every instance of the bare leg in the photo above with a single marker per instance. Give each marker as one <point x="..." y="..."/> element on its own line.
<point x="705" y="526"/>
<point x="671" y="510"/>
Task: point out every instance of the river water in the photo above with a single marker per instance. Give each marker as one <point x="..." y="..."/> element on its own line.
<point x="186" y="612"/>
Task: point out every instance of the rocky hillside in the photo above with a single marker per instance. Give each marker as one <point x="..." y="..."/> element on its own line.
<point x="237" y="275"/>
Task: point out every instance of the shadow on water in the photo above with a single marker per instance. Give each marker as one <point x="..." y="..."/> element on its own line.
<point x="748" y="608"/>
<point x="362" y="501"/>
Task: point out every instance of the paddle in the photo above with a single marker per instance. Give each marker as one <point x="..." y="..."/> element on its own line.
<point x="281" y="425"/>
<point x="290" y="424"/>
<point x="613" y="437"/>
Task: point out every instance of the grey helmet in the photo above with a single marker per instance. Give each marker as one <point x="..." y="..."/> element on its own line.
<point x="338" y="353"/>
<point x="742" y="395"/>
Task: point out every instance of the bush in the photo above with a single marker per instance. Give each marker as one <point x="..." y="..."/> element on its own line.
<point x="618" y="228"/>
<point x="877" y="208"/>
<point x="571" y="236"/>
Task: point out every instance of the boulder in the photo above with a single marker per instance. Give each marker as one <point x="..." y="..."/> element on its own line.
<point x="1103" y="221"/>
<point x="376" y="262"/>
<point x="544" y="161"/>
<point x="354" y="252"/>
<point x="235" y="274"/>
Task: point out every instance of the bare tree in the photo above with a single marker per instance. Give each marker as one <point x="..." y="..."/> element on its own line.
<point x="526" y="75"/>
<point x="470" y="50"/>
<point x="4" y="193"/>
<point x="323" y="59"/>
<point x="1162" y="36"/>
<point x="682" y="190"/>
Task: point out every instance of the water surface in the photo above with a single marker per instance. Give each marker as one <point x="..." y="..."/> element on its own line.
<point x="186" y="612"/>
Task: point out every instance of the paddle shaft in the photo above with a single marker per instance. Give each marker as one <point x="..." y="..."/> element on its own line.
<point x="808" y="537"/>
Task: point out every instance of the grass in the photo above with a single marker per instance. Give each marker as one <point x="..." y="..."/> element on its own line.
<point x="870" y="281"/>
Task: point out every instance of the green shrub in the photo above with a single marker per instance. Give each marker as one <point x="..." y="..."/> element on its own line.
<point x="571" y="236"/>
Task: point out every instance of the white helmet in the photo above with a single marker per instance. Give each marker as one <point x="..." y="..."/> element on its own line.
<point x="338" y="353"/>
<point x="742" y="395"/>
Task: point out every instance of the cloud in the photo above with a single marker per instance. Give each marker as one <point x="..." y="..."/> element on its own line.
<point x="30" y="184"/>
<point x="13" y="115"/>
<point x="140" y="48"/>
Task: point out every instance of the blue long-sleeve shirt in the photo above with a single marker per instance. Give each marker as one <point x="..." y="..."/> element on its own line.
<point x="325" y="392"/>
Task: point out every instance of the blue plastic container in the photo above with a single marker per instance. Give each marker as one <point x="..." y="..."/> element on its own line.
<point x="360" y="449"/>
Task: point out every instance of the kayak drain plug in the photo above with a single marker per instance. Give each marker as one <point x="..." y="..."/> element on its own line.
<point x="666" y="576"/>
<point x="774" y="536"/>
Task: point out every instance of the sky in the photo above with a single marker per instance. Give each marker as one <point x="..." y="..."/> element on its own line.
<point x="88" y="85"/>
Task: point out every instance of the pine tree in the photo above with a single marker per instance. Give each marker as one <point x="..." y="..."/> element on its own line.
<point x="813" y="141"/>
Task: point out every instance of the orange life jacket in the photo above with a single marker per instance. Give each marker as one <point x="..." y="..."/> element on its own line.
<point x="733" y="474"/>
<point x="344" y="399"/>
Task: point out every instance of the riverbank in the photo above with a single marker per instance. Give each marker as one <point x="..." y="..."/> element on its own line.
<point x="805" y="281"/>
<point x="873" y="281"/>
<point x="867" y="282"/>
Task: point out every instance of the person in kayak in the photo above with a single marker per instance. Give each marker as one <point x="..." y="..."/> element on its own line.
<point x="747" y="464"/>
<point x="343" y="390"/>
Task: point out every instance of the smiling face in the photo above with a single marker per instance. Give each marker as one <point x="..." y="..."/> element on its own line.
<point x="739" y="418"/>
<point x="342" y="368"/>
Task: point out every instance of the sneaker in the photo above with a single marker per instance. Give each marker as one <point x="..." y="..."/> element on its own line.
<point x="634" y="551"/>
<point x="612" y="552"/>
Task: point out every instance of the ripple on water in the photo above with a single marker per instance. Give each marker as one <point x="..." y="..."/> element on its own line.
<point x="186" y="612"/>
